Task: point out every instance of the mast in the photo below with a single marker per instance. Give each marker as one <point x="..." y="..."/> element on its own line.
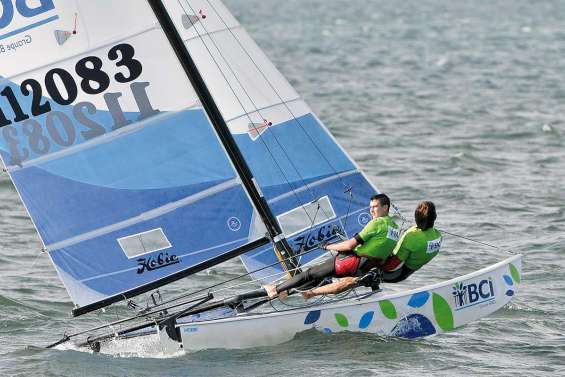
<point x="283" y="250"/>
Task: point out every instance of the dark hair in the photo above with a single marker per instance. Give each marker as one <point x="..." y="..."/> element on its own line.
<point x="425" y="215"/>
<point x="382" y="199"/>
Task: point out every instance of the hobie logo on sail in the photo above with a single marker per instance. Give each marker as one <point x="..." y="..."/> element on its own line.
<point x="471" y="294"/>
<point x="314" y="239"/>
<point x="154" y="263"/>
<point x="11" y="8"/>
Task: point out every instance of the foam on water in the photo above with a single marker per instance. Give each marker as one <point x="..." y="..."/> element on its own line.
<point x="143" y="347"/>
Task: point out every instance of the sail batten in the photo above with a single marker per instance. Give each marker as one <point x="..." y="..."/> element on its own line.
<point x="211" y="33"/>
<point x="106" y="138"/>
<point x="238" y="241"/>
<point x="156" y="212"/>
<point x="266" y="108"/>
<point x="313" y="184"/>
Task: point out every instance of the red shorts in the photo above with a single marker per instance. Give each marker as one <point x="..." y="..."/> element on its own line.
<point x="346" y="265"/>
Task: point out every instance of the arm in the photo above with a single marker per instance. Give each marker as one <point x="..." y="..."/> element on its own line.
<point x="344" y="246"/>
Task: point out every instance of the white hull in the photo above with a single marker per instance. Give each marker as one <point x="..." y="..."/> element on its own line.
<point x="424" y="311"/>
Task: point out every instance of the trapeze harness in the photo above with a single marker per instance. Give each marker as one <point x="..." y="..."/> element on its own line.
<point x="346" y="264"/>
<point x="353" y="264"/>
<point x="342" y="265"/>
<point x="392" y="270"/>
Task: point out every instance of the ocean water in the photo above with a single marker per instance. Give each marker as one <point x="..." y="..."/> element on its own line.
<point x="458" y="102"/>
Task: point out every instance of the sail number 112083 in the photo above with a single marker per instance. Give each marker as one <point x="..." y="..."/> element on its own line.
<point x="63" y="89"/>
<point x="93" y="81"/>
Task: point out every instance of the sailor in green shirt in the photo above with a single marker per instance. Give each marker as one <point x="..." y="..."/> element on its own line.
<point x="377" y="239"/>
<point x="417" y="246"/>
<point x="370" y="247"/>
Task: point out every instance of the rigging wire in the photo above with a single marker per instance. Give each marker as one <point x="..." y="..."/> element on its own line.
<point x="35" y="260"/>
<point x="350" y="191"/>
<point x="282" y="101"/>
<point x="276" y="92"/>
<point x="405" y="220"/>
<point x="256" y="107"/>
<point x="251" y="122"/>
<point x="232" y="71"/>
<point x="207" y="289"/>
<point x="477" y="241"/>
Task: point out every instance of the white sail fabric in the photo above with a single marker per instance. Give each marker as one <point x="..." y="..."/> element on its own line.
<point x="112" y="154"/>
<point x="304" y="174"/>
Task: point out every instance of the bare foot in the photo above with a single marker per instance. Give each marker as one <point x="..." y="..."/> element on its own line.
<point x="283" y="295"/>
<point x="308" y="294"/>
<point x="271" y="290"/>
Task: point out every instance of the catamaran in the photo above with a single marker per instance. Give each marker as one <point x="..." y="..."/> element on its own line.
<point x="151" y="140"/>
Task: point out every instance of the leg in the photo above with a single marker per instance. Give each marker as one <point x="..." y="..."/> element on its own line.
<point x="398" y="275"/>
<point x="312" y="275"/>
<point x="333" y="288"/>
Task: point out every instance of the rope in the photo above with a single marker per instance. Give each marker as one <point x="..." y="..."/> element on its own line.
<point x="293" y="189"/>
<point x="476" y="241"/>
<point x="35" y="260"/>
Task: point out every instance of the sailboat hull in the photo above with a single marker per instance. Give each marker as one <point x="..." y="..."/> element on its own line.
<point x="421" y="312"/>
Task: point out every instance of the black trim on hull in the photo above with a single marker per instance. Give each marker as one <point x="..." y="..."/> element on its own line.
<point x="171" y="278"/>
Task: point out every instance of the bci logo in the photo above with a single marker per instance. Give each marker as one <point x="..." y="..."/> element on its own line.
<point x="470" y="294"/>
<point x="25" y="8"/>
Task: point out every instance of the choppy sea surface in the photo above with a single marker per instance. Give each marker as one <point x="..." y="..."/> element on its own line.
<point x="458" y="102"/>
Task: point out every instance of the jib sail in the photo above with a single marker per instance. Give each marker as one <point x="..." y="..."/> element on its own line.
<point x="314" y="189"/>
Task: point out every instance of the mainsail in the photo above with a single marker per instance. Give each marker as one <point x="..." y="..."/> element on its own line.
<point x="121" y="165"/>
<point x="112" y="153"/>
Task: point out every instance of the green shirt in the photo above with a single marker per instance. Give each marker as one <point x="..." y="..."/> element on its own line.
<point x="417" y="247"/>
<point x="379" y="238"/>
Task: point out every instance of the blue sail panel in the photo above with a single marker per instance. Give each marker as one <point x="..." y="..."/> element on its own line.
<point x="114" y="188"/>
<point x="104" y="265"/>
<point x="113" y="155"/>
